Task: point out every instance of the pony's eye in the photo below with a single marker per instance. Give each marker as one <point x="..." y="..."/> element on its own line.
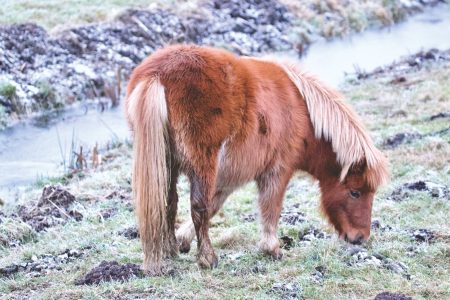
<point x="355" y="194"/>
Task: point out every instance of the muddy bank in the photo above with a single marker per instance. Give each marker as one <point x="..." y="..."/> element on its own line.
<point x="39" y="71"/>
<point x="406" y="65"/>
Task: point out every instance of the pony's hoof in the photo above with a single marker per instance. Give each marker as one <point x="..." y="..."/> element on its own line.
<point x="208" y="261"/>
<point x="184" y="247"/>
<point x="277" y="254"/>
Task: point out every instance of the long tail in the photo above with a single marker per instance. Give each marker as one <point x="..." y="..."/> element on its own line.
<point x="147" y="113"/>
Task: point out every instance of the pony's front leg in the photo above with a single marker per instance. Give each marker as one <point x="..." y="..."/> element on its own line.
<point x="271" y="186"/>
<point x="201" y="190"/>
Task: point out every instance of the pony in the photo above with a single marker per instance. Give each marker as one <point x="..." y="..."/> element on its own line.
<point x="225" y="120"/>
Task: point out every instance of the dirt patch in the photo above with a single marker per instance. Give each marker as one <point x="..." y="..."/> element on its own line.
<point x="52" y="209"/>
<point x="287" y="242"/>
<point x="318" y="275"/>
<point x="391" y="296"/>
<point x="311" y="233"/>
<point x="378" y="226"/>
<point x="130" y="233"/>
<point x="108" y="213"/>
<point x="42" y="265"/>
<point x="292" y="217"/>
<point x="435" y="190"/>
<point x="286" y="290"/>
<point x="249" y="217"/>
<point x="360" y="256"/>
<point x="111" y="271"/>
<point x="422" y="235"/>
<point x="400" y="138"/>
<point x="406" y="65"/>
<point x="441" y="115"/>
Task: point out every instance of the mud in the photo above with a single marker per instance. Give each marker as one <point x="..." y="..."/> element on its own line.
<point x="391" y="296"/>
<point x="318" y="275"/>
<point x="130" y="233"/>
<point x="292" y="217"/>
<point x="312" y="233"/>
<point x="378" y="226"/>
<point x="435" y="190"/>
<point x="42" y="265"/>
<point x="111" y="271"/>
<point x="107" y="213"/>
<point x="52" y="209"/>
<point x="442" y="115"/>
<point x="359" y="256"/>
<point x="400" y="138"/>
<point x="407" y="65"/>
<point x="287" y="242"/>
<point x="286" y="290"/>
<point x="423" y="235"/>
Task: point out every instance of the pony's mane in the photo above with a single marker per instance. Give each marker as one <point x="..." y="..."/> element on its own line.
<point x="335" y="121"/>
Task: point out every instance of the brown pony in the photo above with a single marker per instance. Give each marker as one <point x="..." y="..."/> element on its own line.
<point x="225" y="120"/>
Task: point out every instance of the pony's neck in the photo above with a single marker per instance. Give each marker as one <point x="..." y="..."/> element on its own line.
<point x="320" y="161"/>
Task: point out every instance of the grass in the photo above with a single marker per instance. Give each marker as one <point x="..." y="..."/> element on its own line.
<point x="74" y="12"/>
<point x="244" y="273"/>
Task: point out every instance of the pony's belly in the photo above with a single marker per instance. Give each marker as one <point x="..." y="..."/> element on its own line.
<point x="239" y="165"/>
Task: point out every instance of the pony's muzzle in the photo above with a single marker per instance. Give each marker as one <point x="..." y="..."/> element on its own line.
<point x="358" y="239"/>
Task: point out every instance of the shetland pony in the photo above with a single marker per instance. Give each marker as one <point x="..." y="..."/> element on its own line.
<point x="225" y="120"/>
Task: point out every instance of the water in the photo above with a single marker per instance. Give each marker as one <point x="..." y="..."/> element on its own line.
<point x="371" y="49"/>
<point x="29" y="150"/>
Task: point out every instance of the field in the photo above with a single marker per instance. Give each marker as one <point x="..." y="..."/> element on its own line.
<point x="408" y="252"/>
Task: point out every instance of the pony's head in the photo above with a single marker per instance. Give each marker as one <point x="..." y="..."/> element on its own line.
<point x="347" y="202"/>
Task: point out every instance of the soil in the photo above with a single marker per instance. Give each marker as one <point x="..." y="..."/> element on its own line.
<point x="44" y="264"/>
<point x="53" y="208"/>
<point x="407" y="64"/>
<point x="286" y="290"/>
<point x="312" y="233"/>
<point x="360" y="256"/>
<point x="435" y="190"/>
<point x="111" y="271"/>
<point x="130" y="233"/>
<point x="391" y="296"/>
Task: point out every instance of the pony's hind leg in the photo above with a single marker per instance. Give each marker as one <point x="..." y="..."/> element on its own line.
<point x="201" y="197"/>
<point x="172" y="207"/>
<point x="186" y="233"/>
<point x="271" y="186"/>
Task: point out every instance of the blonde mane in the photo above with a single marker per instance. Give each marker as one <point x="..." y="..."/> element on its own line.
<point x="335" y="121"/>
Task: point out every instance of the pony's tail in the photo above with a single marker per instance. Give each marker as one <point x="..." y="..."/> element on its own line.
<point x="147" y="113"/>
